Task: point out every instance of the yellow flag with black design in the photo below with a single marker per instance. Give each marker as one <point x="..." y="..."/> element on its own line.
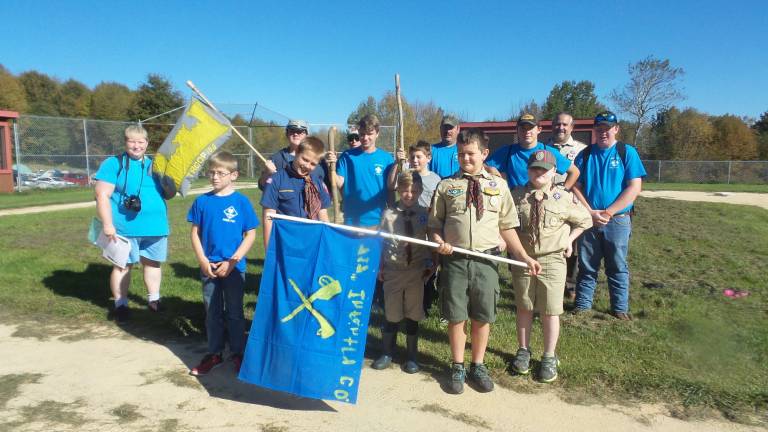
<point x="199" y="132"/>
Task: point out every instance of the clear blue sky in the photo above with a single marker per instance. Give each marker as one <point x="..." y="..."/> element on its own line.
<point x="317" y="60"/>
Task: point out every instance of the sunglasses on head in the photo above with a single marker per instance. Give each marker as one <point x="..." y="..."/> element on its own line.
<point x="606" y="118"/>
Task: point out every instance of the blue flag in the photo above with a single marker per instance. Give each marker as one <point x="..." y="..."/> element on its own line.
<point x="308" y="335"/>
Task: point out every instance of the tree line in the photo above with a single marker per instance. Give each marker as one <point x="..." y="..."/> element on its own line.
<point x="647" y="104"/>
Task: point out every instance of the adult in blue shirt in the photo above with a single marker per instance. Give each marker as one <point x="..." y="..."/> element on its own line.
<point x="295" y="132"/>
<point x="445" y="157"/>
<point x="130" y="203"/>
<point x="512" y="160"/>
<point x="361" y="175"/>
<point x="611" y="180"/>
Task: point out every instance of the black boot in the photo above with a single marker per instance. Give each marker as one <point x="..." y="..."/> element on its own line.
<point x="412" y="346"/>
<point x="388" y="340"/>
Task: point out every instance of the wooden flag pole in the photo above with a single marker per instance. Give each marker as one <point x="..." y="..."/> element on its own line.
<point x="332" y="169"/>
<point x="237" y="132"/>
<point x="401" y="145"/>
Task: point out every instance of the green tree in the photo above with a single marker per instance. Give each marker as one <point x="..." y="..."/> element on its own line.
<point x="12" y="94"/>
<point x="111" y="101"/>
<point x="576" y="98"/>
<point x="41" y="91"/>
<point x="364" y="108"/>
<point x="154" y="97"/>
<point x="734" y="138"/>
<point x="530" y="107"/>
<point x="421" y="120"/>
<point x="761" y="128"/>
<point x="653" y="85"/>
<point x="686" y="135"/>
<point x="74" y="99"/>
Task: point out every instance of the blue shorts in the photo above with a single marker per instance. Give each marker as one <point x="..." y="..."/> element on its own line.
<point x="154" y="248"/>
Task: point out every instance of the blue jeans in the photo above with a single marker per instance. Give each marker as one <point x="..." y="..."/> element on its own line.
<point x="223" y="299"/>
<point x="609" y="242"/>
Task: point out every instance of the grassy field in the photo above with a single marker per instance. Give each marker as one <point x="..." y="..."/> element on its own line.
<point x="689" y="347"/>
<point x="706" y="187"/>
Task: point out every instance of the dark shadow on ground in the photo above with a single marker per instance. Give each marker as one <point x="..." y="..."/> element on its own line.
<point x="180" y="327"/>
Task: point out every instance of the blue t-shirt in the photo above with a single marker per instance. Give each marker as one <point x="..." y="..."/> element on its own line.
<point x="512" y="161"/>
<point x="365" y="190"/>
<point x="285" y="194"/>
<point x="283" y="158"/>
<point x="222" y="221"/>
<point x="152" y="219"/>
<point x="445" y="159"/>
<point x="606" y="176"/>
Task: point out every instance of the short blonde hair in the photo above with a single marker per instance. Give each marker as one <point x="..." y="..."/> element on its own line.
<point x="311" y="143"/>
<point x="223" y="159"/>
<point x="136" y="130"/>
<point x="409" y="179"/>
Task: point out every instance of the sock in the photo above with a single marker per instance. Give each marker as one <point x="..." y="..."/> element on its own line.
<point x="549" y="354"/>
<point x="473" y="364"/>
<point x="525" y="348"/>
<point x="122" y="301"/>
<point x="459" y="363"/>
<point x="153" y="296"/>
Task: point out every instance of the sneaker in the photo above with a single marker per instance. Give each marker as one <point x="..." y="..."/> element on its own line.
<point x="382" y="362"/>
<point x="458" y="375"/>
<point x="237" y="359"/>
<point x="207" y="364"/>
<point x="154" y="306"/>
<point x="522" y="362"/>
<point x="623" y="316"/>
<point x="478" y="373"/>
<point x="122" y="314"/>
<point x="548" y="369"/>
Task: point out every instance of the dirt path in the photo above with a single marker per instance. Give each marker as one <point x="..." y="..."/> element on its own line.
<point x="58" y="207"/>
<point x="743" y="198"/>
<point x="101" y="378"/>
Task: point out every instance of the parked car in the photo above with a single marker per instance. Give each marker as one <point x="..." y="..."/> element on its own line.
<point x="52" y="182"/>
<point x="76" y="178"/>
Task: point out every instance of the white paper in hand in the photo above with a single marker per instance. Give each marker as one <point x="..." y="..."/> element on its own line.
<point x="115" y="252"/>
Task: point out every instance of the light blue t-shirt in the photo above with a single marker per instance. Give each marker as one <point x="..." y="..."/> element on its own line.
<point x="445" y="159"/>
<point x="606" y="176"/>
<point x="512" y="161"/>
<point x="152" y="219"/>
<point x="365" y="190"/>
<point x="223" y="220"/>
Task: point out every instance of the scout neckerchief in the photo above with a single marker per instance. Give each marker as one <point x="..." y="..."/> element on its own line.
<point x="409" y="233"/>
<point x="536" y="217"/>
<point x="312" y="203"/>
<point x="474" y="194"/>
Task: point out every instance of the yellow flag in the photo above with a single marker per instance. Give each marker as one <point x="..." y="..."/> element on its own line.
<point x="197" y="135"/>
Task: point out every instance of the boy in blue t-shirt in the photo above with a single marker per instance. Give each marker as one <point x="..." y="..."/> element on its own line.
<point x="223" y="230"/>
<point x="361" y="174"/>
<point x="293" y="191"/>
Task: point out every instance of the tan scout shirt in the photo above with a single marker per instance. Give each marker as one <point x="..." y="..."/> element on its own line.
<point x="561" y="212"/>
<point x="458" y="224"/>
<point x="569" y="149"/>
<point x="394" y="254"/>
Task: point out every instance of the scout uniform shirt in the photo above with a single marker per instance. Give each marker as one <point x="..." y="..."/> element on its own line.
<point x="458" y="222"/>
<point x="570" y="149"/>
<point x="396" y="253"/>
<point x="561" y="211"/>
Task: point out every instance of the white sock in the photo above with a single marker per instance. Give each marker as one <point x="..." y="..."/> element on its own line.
<point x="122" y="301"/>
<point x="153" y="296"/>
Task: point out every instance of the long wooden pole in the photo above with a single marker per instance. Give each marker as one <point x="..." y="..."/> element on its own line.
<point x="205" y="99"/>
<point x="400" y="128"/>
<point x="332" y="173"/>
<point x="397" y="237"/>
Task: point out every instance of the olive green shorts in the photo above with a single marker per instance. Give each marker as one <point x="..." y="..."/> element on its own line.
<point x="403" y="294"/>
<point x="468" y="288"/>
<point x="542" y="293"/>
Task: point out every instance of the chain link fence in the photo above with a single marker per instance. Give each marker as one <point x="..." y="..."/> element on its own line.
<point x="722" y="172"/>
<point x="52" y="152"/>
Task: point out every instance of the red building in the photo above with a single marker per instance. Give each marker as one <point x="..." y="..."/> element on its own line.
<point x="6" y="171"/>
<point x="503" y="133"/>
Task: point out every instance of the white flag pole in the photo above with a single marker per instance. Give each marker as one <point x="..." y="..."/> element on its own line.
<point x="397" y="237"/>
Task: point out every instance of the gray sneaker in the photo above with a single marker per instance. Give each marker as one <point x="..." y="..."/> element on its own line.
<point x="522" y="362"/>
<point x="479" y="375"/>
<point x="548" y="370"/>
<point x="458" y="375"/>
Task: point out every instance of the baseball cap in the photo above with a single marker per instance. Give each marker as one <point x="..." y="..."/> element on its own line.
<point x="450" y="120"/>
<point x="542" y="159"/>
<point x="296" y="124"/>
<point x="606" y="118"/>
<point x="528" y="118"/>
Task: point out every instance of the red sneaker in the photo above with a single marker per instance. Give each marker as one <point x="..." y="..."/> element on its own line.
<point x="237" y="359"/>
<point x="207" y="364"/>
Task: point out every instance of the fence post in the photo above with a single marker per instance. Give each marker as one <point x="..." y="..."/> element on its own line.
<point x="729" y="173"/>
<point x="18" y="153"/>
<point x="659" y="175"/>
<point x="251" y="173"/>
<point x="87" y="158"/>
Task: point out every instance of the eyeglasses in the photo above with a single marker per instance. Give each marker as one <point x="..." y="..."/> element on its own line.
<point x="219" y="174"/>
<point x="292" y="131"/>
<point x="606" y="117"/>
<point x="353" y="137"/>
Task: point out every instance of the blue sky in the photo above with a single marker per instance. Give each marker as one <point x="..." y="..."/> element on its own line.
<point x="318" y="60"/>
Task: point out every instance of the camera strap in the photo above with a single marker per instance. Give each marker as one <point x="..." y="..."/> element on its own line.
<point x="124" y="157"/>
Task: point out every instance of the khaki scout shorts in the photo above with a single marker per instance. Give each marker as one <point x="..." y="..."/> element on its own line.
<point x="469" y="288"/>
<point x="542" y="293"/>
<point x="403" y="295"/>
